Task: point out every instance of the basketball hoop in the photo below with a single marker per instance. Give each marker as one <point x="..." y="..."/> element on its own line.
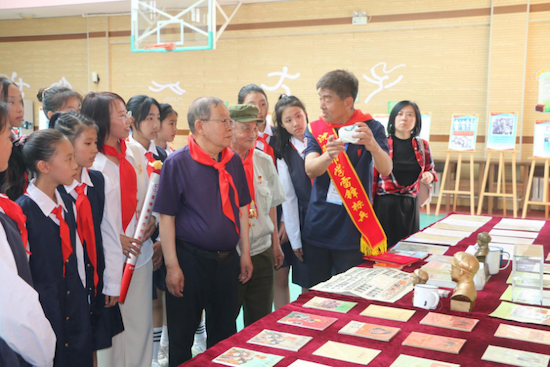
<point x="166" y="46"/>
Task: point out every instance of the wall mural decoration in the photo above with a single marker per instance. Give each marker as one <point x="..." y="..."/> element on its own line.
<point x="282" y="75"/>
<point x="379" y="80"/>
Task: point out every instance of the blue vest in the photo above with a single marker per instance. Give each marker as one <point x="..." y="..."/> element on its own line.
<point x="8" y="357"/>
<point x="300" y="180"/>
<point x="106" y="322"/>
<point x="64" y="299"/>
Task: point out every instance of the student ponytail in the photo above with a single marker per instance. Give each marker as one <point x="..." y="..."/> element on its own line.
<point x="41" y="145"/>
<point x="71" y="124"/>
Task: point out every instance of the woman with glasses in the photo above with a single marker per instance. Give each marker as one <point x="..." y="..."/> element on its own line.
<point x="119" y="164"/>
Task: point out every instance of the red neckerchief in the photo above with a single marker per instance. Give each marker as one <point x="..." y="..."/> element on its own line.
<point x="15" y="212"/>
<point x="128" y="182"/>
<point x="65" y="234"/>
<point x="85" y="227"/>
<point x="268" y="149"/>
<point x="150" y="159"/>
<point x="225" y="179"/>
<point x="248" y="164"/>
<point x="357" y="116"/>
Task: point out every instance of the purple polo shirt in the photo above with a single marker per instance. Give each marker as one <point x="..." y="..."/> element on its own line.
<point x="190" y="191"/>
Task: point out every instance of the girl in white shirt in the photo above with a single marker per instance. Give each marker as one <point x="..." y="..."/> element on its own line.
<point x="96" y="219"/>
<point x="291" y="120"/>
<point x="120" y="163"/>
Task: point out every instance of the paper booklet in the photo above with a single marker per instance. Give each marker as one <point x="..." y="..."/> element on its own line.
<point x="277" y="339"/>
<point x="507" y="233"/>
<point x="434" y="239"/>
<point x="481" y="219"/>
<point x="519" y="313"/>
<point x="446" y="233"/>
<point x="409" y="361"/>
<point x="328" y="304"/>
<point x="526" y="295"/>
<point x="515" y="357"/>
<point x="247" y="358"/>
<point x="379" y="284"/>
<point x="439" y="274"/>
<point x="307" y="321"/>
<point x="449" y="322"/>
<point x="434" y="342"/>
<point x="520" y="224"/>
<point x="302" y="363"/>
<point x="420" y="255"/>
<point x="523" y="333"/>
<point x="455" y="227"/>
<point x="347" y="353"/>
<point x="388" y="313"/>
<point x="420" y="247"/>
<point x="369" y="331"/>
<point x="439" y="258"/>
<point x="512" y="240"/>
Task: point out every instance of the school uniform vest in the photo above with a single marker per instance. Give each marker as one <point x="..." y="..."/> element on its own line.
<point x="106" y="322"/>
<point x="8" y="357"/>
<point x="299" y="178"/>
<point x="64" y="299"/>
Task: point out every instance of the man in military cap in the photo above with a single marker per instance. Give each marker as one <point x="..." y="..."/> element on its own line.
<point x="266" y="192"/>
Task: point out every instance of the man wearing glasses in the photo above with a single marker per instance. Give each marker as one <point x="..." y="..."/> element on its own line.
<point x="203" y="205"/>
<point x="266" y="192"/>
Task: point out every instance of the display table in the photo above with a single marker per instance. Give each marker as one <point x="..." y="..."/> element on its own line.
<point x="470" y="355"/>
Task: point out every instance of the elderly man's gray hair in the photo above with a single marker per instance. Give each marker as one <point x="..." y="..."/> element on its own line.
<point x="200" y="109"/>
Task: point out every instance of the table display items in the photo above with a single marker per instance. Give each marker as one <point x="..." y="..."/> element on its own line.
<point x="347" y="353"/>
<point x="434" y="342"/>
<point x="388" y="313"/>
<point x="523" y="334"/>
<point x="515" y="357"/>
<point x="307" y="321"/>
<point x="521" y="313"/>
<point x="279" y="340"/>
<point x="369" y="331"/>
<point x="426" y="296"/>
<point x="528" y="259"/>
<point x="483" y="240"/>
<point x="409" y="361"/>
<point x="329" y="304"/>
<point x="464" y="267"/>
<point x="247" y="358"/>
<point x="449" y="322"/>
<point x="420" y="276"/>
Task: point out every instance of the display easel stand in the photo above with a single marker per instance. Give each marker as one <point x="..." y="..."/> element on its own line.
<point x="501" y="182"/>
<point x="456" y="190"/>
<point x="544" y="202"/>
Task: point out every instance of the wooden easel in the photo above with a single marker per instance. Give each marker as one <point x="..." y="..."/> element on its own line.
<point x="501" y="182"/>
<point x="456" y="190"/>
<point x="544" y="202"/>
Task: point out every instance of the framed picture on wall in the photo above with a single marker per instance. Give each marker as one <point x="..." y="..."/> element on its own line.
<point x="541" y="139"/>
<point x="502" y="131"/>
<point x="463" y="132"/>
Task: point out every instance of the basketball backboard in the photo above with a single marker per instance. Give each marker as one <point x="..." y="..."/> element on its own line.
<point x="173" y="25"/>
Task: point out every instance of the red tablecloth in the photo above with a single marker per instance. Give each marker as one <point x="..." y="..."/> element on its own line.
<point x="470" y="355"/>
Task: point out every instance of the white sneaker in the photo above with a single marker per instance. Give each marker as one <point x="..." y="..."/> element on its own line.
<point x="163" y="355"/>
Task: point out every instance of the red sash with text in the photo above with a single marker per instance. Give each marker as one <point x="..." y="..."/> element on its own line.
<point x="351" y="190"/>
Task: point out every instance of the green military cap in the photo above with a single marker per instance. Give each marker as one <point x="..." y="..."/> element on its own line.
<point x="244" y="113"/>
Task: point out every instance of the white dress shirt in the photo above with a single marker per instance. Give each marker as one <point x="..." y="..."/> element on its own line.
<point x="112" y="249"/>
<point x="291" y="210"/>
<point x="111" y="171"/>
<point x="47" y="205"/>
<point x="267" y="134"/>
<point x="23" y="325"/>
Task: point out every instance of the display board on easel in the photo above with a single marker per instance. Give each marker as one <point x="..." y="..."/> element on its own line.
<point x="501" y="138"/>
<point x="462" y="139"/>
<point x="541" y="151"/>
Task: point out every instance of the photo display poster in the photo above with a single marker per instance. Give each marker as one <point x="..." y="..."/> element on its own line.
<point x="502" y="131"/>
<point x="541" y="139"/>
<point x="463" y="132"/>
<point x="543" y="102"/>
<point x="426" y="123"/>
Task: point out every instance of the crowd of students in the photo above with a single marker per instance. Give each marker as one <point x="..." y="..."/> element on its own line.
<point x="238" y="207"/>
